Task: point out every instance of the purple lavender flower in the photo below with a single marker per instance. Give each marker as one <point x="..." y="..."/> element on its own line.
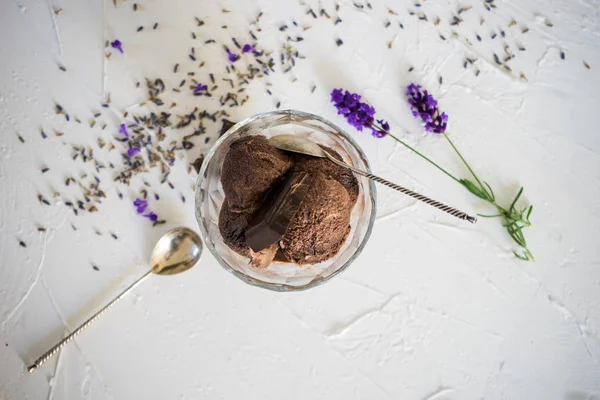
<point x="384" y="125"/>
<point x="117" y="45"/>
<point x="151" y="216"/>
<point x="123" y="130"/>
<point x="358" y="114"/>
<point x="140" y="205"/>
<point x="232" y="57"/>
<point x="200" y="87"/>
<point x="423" y="105"/>
<point x="132" y="152"/>
<point x="248" y="48"/>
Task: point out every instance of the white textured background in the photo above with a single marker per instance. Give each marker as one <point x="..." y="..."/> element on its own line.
<point x="433" y="309"/>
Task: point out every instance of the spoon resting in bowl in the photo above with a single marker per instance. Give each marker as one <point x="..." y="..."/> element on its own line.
<point x="301" y="145"/>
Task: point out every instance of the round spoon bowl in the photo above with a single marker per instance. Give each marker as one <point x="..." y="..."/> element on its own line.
<point x="177" y="251"/>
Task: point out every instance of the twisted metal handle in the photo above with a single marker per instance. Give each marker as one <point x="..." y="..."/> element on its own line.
<point x="46" y="356"/>
<point x="450" y="210"/>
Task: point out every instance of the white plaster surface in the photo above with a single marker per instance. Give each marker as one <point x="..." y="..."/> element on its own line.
<point x="432" y="310"/>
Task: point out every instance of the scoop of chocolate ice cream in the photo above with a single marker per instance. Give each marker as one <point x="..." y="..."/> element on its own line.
<point x="321" y="225"/>
<point x="342" y="175"/>
<point x="250" y="167"/>
<point x="233" y="226"/>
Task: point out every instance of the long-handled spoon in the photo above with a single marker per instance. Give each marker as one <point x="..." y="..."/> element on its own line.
<point x="177" y="250"/>
<point x="301" y="145"/>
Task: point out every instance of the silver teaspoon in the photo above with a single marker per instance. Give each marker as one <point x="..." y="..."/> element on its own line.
<point x="177" y="250"/>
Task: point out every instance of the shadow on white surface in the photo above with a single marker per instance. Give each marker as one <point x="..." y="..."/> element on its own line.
<point x="581" y="395"/>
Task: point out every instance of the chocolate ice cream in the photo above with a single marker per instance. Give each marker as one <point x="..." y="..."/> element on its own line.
<point x="233" y="226"/>
<point x="252" y="168"/>
<point x="321" y="225"/>
<point x="342" y="175"/>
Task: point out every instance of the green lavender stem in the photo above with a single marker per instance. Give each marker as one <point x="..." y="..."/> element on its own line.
<point x="463" y="160"/>
<point x="513" y="220"/>
<point x="424" y="157"/>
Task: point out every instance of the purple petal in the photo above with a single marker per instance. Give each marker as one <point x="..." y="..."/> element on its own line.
<point x="200" y="87"/>
<point x="151" y="216"/>
<point x="384" y="125"/>
<point x="351" y="99"/>
<point x="367" y="109"/>
<point x="378" y="134"/>
<point x="117" y="45"/>
<point x="430" y="102"/>
<point x="343" y="110"/>
<point x="248" y="48"/>
<point x="413" y="87"/>
<point x="132" y="151"/>
<point x="337" y="96"/>
<point x="232" y="57"/>
<point x="123" y="130"/>
<point x="140" y="205"/>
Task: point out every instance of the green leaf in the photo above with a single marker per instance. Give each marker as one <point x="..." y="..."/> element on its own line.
<point x="530" y="256"/>
<point x="526" y="256"/>
<point x="489" y="216"/>
<point x="519" y="233"/>
<point x="529" y="212"/>
<point x="512" y="206"/>
<point x="520" y="257"/>
<point x="471" y="187"/>
<point x="491" y="191"/>
<point x="514" y="234"/>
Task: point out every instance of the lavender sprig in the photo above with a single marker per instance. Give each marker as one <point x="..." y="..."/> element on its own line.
<point x="426" y="107"/>
<point x="361" y="115"/>
<point x="358" y="114"/>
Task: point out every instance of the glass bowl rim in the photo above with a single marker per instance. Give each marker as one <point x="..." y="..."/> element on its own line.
<point x="281" y="287"/>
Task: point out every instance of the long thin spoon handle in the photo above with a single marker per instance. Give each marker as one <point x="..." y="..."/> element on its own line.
<point x="450" y="210"/>
<point x="44" y="357"/>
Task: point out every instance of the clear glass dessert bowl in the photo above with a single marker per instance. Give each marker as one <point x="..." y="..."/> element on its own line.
<point x="281" y="276"/>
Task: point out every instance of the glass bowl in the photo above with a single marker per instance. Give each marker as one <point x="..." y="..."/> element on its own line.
<point x="279" y="276"/>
